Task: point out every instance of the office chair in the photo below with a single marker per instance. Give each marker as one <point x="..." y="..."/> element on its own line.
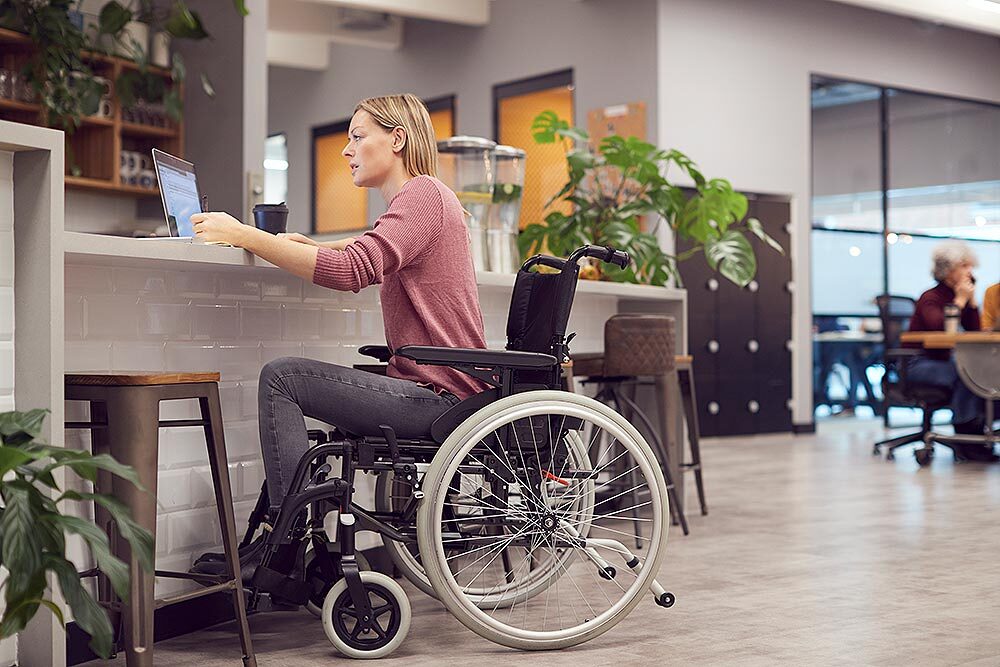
<point x="895" y="313"/>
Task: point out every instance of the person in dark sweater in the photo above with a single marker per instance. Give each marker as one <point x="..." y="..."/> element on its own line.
<point x="953" y="264"/>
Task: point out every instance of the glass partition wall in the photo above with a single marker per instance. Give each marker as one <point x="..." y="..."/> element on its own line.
<point x="894" y="172"/>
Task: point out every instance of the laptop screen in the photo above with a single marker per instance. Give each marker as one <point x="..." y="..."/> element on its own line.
<point x="179" y="191"/>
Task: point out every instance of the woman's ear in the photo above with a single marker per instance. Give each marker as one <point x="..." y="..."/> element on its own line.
<point x="398" y="139"/>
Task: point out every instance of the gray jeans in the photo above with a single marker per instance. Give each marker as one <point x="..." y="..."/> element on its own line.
<point x="353" y="400"/>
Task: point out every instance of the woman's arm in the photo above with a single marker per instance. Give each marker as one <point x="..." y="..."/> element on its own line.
<point x="339" y="244"/>
<point x="292" y="256"/>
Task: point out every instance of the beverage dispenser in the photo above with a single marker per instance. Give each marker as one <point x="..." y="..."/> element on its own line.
<point x="467" y="166"/>
<point x="503" y="227"/>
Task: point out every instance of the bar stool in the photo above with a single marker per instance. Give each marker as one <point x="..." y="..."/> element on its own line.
<point x="124" y="422"/>
<point x="634" y="346"/>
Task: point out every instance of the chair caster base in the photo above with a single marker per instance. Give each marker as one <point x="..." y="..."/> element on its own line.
<point x="665" y="600"/>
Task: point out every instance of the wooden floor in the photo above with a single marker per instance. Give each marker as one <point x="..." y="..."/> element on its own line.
<point x="814" y="553"/>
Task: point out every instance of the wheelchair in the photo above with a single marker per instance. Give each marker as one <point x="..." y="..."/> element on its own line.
<point x="514" y="511"/>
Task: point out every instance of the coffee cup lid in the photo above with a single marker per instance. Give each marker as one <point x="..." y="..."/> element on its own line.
<point x="271" y="207"/>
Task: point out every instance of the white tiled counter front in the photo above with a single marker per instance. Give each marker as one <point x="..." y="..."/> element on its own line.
<point x="163" y="305"/>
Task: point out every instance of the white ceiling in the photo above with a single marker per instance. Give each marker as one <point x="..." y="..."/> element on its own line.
<point x="299" y="32"/>
<point x="977" y="15"/>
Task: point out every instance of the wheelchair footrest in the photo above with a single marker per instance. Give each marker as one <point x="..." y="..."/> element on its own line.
<point x="266" y="580"/>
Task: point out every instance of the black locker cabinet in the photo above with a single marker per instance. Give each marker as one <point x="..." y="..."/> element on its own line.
<point x="740" y="336"/>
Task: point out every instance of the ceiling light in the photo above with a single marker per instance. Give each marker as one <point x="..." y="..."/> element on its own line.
<point x="855" y="251"/>
<point x="981" y="220"/>
<point x="276" y="165"/>
<point x="892" y="237"/>
<point x="986" y="5"/>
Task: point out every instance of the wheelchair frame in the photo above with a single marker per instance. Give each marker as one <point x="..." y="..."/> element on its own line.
<point x="317" y="495"/>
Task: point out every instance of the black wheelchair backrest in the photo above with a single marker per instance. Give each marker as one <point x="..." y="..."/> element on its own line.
<point x="541" y="302"/>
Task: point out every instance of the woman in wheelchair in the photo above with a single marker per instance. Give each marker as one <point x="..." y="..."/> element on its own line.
<point x="511" y="501"/>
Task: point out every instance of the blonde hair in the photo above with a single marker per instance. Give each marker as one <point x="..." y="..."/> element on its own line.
<point x="408" y="112"/>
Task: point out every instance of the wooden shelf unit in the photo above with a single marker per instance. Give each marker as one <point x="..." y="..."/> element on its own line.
<point x="96" y="146"/>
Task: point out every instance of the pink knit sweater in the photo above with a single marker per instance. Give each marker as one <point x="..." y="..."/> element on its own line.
<point x="419" y="253"/>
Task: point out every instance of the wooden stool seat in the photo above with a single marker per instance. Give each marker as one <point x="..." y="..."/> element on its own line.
<point x="138" y="378"/>
<point x="125" y="422"/>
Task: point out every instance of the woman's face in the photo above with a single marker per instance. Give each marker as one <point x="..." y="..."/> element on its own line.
<point x="371" y="150"/>
<point x="959" y="274"/>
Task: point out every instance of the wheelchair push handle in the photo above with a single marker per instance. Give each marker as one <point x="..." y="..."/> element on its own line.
<point x="603" y="253"/>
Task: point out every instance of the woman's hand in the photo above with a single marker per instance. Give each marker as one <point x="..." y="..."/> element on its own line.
<point x="965" y="293"/>
<point x="218" y="227"/>
<point x="298" y="238"/>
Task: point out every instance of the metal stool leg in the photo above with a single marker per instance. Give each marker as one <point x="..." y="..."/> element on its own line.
<point x="133" y="439"/>
<point x="676" y="511"/>
<point x="686" y="379"/>
<point x="211" y="413"/>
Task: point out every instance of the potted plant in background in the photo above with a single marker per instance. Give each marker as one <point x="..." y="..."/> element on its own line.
<point x="62" y="77"/>
<point x="33" y="530"/>
<point x="612" y="188"/>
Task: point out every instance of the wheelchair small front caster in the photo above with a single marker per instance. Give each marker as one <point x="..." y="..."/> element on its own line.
<point x="319" y="583"/>
<point x="608" y="572"/>
<point x="666" y="600"/>
<point x="376" y="637"/>
<point x="890" y="456"/>
<point x="923" y="456"/>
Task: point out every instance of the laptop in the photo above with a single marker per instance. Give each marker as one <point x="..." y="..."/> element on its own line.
<point x="179" y="193"/>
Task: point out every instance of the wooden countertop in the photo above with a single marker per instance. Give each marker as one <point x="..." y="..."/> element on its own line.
<point x="939" y="340"/>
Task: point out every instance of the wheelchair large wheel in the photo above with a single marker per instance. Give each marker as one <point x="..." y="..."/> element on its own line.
<point x="569" y="517"/>
<point x="392" y="495"/>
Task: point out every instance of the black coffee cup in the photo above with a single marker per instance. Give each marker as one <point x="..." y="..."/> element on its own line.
<point x="272" y="218"/>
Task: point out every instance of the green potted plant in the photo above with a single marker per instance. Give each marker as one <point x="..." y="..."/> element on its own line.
<point x="611" y="188"/>
<point x="33" y="530"/>
<point x="63" y="79"/>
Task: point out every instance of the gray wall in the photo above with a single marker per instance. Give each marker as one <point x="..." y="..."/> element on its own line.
<point x="734" y="94"/>
<point x="214" y="128"/>
<point x="610" y="44"/>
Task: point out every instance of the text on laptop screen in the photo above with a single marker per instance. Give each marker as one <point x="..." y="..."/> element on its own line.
<point x="180" y="197"/>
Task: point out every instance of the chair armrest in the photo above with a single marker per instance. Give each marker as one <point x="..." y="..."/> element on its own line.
<point x="380" y="352"/>
<point x="452" y="356"/>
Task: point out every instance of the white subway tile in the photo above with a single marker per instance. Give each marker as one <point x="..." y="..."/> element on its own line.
<point x="111" y="317"/>
<point x="229" y="397"/>
<point x="6" y="402"/>
<point x="238" y="287"/>
<point x="137" y="356"/>
<point x="78" y="553"/>
<point x="202" y="490"/>
<point x="331" y="353"/>
<point x="6" y="167"/>
<point x="187" y="408"/>
<point x="216" y="320"/>
<point x="339" y="323"/>
<point x="238" y="362"/>
<point x="6" y="258"/>
<point x="174" y="489"/>
<point x="73" y="318"/>
<point x="191" y="284"/>
<point x="281" y="288"/>
<point x="87" y="280"/>
<point x="251" y="477"/>
<point x="300" y="322"/>
<point x="260" y="321"/>
<point x="173" y="563"/>
<point x="241" y="511"/>
<point x="88" y="356"/>
<point x="242" y="440"/>
<point x="312" y="293"/>
<point x="248" y="399"/>
<point x="272" y="351"/>
<point x="165" y="319"/>
<point x="162" y="536"/>
<point x="6" y="313"/>
<point x="138" y="281"/>
<point x="193" y="528"/>
<point x="182" y="447"/>
<point x="76" y="411"/>
<point x="195" y="357"/>
<point x="371" y="326"/>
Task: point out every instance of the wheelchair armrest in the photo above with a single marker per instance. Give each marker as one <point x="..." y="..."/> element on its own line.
<point x="380" y="352"/>
<point x="451" y="356"/>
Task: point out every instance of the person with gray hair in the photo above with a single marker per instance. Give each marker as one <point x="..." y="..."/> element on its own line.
<point x="953" y="262"/>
